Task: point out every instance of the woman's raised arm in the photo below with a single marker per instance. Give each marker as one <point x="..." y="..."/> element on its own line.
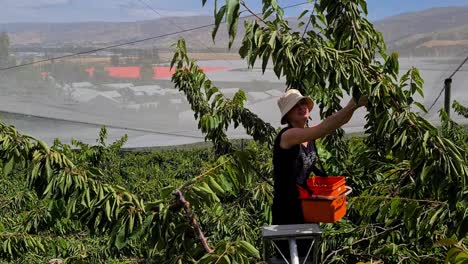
<point x="294" y="136"/>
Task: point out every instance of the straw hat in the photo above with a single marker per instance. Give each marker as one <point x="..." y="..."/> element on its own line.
<point x="289" y="99"/>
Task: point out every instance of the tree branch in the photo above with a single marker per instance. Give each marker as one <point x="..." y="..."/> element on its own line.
<point x="252" y="12"/>
<point x="359" y="241"/>
<point x="401" y="198"/>
<point x="308" y="22"/>
<point x="191" y="218"/>
<point x="188" y="183"/>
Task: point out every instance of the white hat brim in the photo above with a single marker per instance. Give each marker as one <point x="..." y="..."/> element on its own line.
<point x="292" y="103"/>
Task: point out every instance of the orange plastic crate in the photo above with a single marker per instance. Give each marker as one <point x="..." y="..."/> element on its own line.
<point x="329" y="186"/>
<point x="324" y="211"/>
<point x="327" y="202"/>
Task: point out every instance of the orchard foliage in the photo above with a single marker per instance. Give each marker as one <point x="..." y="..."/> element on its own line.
<point x="230" y="199"/>
<point x="460" y="109"/>
<point x="406" y="168"/>
<point x="93" y="203"/>
<point x="80" y="211"/>
<point x="214" y="111"/>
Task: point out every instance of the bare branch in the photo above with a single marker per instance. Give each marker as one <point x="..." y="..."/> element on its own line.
<point x="193" y="221"/>
<point x="252" y="12"/>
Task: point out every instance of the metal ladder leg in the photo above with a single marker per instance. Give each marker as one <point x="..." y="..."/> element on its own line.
<point x="293" y="251"/>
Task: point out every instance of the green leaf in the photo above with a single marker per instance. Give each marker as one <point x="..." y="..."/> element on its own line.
<point x="95" y="171"/>
<point x="8" y="167"/>
<point x="218" y="17"/>
<point x="421" y="106"/>
<point x="249" y="248"/>
<point x="166" y="191"/>
<point x="274" y="4"/>
<point x="461" y="258"/>
<point x="363" y="5"/>
<point x="210" y="92"/>
<point x="446" y="242"/>
<point x="131" y="221"/>
<point x="232" y="18"/>
<point x="434" y="216"/>
<point x="216" y="186"/>
<point x="120" y="239"/>
<point x="108" y="210"/>
<point x="395" y="206"/>
<point x="424" y="172"/>
<point x="451" y="255"/>
<point x="226" y="259"/>
<point x="302" y="14"/>
<point x="205" y="188"/>
<point x="272" y="42"/>
<point x="239" y="98"/>
<point x="266" y="57"/>
<point x="143" y="227"/>
<point x="48" y="168"/>
<point x="44" y="146"/>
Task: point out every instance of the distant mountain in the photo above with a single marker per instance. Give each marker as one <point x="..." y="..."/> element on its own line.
<point x="432" y="32"/>
<point x="102" y="33"/>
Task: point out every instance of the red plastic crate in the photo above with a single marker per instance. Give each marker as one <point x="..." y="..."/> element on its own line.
<point x="330" y="186"/>
<point x="327" y="202"/>
<point x="323" y="211"/>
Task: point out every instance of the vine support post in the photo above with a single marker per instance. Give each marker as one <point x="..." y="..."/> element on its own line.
<point x="447" y="88"/>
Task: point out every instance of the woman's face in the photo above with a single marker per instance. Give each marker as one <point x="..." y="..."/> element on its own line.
<point x="299" y="113"/>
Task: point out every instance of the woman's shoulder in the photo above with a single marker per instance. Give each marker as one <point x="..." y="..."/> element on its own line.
<point x="277" y="144"/>
<point x="280" y="133"/>
<point x="284" y="129"/>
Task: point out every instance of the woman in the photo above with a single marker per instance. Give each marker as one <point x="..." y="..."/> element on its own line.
<point x="294" y="154"/>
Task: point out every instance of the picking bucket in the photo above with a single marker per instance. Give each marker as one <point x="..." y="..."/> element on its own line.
<point x="326" y="203"/>
<point x="328" y="186"/>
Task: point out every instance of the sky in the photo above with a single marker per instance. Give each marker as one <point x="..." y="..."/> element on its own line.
<point x="133" y="10"/>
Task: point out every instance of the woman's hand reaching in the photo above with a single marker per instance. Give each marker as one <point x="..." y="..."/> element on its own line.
<point x="363" y="101"/>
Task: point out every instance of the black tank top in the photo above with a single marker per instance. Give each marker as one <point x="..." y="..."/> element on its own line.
<point x="290" y="167"/>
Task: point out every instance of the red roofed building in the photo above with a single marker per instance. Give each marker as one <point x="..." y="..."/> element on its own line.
<point x="134" y="72"/>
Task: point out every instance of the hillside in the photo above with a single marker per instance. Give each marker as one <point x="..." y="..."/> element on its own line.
<point x="99" y="33"/>
<point x="432" y="32"/>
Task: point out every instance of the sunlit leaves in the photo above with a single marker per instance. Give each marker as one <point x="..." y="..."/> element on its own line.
<point x="74" y="194"/>
<point x="214" y="111"/>
<point x="460" y="109"/>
